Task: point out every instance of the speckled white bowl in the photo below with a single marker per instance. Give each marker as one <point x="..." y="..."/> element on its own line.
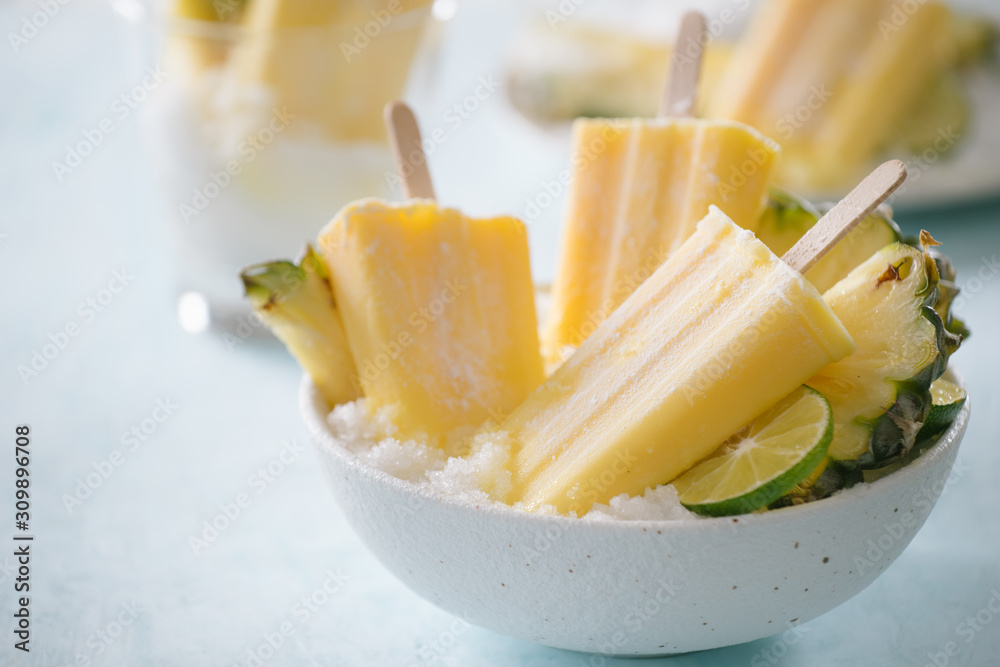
<point x="638" y="587"/>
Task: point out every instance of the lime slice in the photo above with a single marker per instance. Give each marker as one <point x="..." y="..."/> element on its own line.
<point x="764" y="461"/>
<point x="948" y="399"/>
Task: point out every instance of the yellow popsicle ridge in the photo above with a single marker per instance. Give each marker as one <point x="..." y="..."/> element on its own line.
<point x="639" y="188"/>
<point x="718" y="334"/>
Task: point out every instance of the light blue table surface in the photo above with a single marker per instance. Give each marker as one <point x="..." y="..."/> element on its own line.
<point x="124" y="551"/>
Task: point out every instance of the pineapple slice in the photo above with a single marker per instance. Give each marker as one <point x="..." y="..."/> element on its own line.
<point x="720" y="332"/>
<point x="881" y="393"/>
<point x="787" y="218"/>
<point x="296" y="303"/>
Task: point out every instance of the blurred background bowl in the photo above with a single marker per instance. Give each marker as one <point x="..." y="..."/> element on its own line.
<point x="262" y="129"/>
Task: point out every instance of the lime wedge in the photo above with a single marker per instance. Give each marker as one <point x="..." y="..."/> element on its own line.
<point x="764" y="461"/>
<point x="948" y="398"/>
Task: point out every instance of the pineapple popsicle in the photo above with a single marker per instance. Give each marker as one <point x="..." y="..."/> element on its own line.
<point x="719" y="333"/>
<point x="639" y="187"/>
<point x="637" y="201"/>
<point x="319" y="59"/>
<point x="831" y="80"/>
<point x="438" y="309"/>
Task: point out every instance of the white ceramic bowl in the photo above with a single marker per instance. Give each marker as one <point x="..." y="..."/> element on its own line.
<point x="638" y="587"/>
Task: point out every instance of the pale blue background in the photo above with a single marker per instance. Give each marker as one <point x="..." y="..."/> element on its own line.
<point x="59" y="244"/>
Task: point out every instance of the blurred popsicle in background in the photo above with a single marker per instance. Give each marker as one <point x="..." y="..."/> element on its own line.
<point x="833" y="80"/>
<point x="639" y="188"/>
<point x="336" y="87"/>
<point x="852" y="80"/>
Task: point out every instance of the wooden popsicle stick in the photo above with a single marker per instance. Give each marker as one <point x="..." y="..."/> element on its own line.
<point x="842" y="218"/>
<point x="411" y="163"/>
<point x="681" y="92"/>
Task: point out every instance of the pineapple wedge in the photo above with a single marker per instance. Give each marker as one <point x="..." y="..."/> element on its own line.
<point x="718" y="334"/>
<point x="881" y="394"/>
<point x="787" y="218"/>
<point x="296" y="303"/>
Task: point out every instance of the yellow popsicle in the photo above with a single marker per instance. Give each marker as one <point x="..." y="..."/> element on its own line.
<point x="438" y="309"/>
<point x="719" y="333"/>
<point x="832" y="80"/>
<point x="332" y="64"/>
<point x="639" y="188"/>
<point x="905" y="54"/>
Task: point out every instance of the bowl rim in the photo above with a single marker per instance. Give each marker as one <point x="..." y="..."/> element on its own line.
<point x="314" y="411"/>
